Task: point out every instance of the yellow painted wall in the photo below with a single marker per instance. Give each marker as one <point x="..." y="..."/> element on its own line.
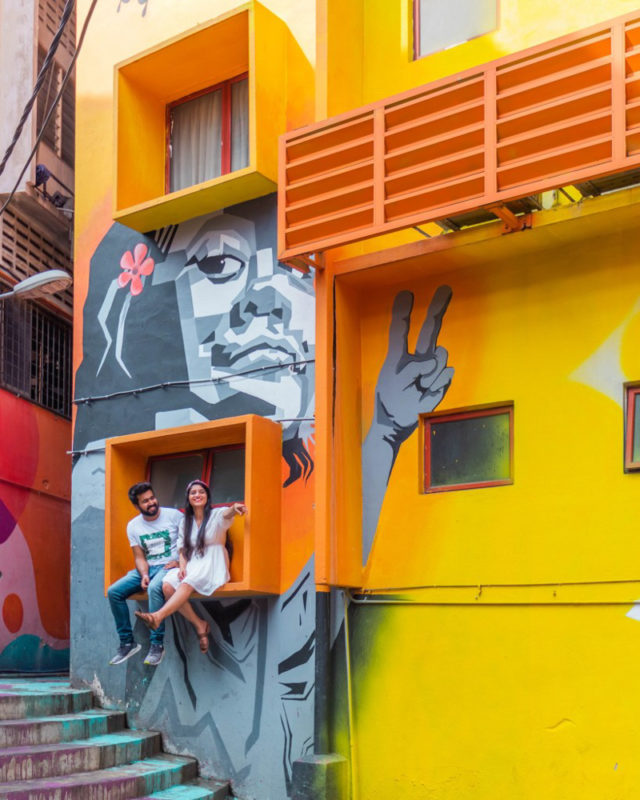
<point x="505" y="667"/>
<point x="492" y="655"/>
<point x="382" y="63"/>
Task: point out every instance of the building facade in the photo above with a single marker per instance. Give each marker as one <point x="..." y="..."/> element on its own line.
<point x="35" y="342"/>
<point x="370" y="268"/>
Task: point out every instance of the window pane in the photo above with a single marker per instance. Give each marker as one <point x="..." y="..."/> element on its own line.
<point x="445" y="23"/>
<point x="474" y="450"/>
<point x="196" y="141"/>
<point x="239" y="124"/>
<point x="170" y="476"/>
<point x="16" y="346"/>
<point x="227" y="477"/>
<point x="635" y="456"/>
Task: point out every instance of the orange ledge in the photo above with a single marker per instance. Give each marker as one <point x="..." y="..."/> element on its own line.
<point x="255" y="566"/>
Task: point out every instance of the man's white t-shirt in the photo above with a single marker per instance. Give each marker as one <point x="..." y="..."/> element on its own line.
<point x="157" y="537"/>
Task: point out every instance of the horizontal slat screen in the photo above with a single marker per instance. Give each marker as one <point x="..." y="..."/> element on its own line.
<point x="560" y="113"/>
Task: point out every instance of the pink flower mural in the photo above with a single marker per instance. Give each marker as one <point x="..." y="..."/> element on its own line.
<point x="135" y="265"/>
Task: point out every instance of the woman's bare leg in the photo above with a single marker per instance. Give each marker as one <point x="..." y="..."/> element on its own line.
<point x="173" y="604"/>
<point x="186" y="610"/>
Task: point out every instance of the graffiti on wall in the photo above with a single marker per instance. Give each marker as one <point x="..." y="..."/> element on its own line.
<point x="143" y="3"/>
<point x="409" y="384"/>
<point x="34" y="547"/>
<point x="196" y="322"/>
<point x="190" y="323"/>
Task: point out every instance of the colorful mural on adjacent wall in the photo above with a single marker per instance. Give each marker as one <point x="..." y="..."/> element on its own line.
<point x="34" y="554"/>
<point x="190" y="323"/>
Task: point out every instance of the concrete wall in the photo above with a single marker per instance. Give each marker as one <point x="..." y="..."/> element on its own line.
<point x="17" y="75"/>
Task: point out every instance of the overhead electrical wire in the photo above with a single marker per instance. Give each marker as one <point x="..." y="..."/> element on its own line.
<point x="66" y="13"/>
<point x="55" y="102"/>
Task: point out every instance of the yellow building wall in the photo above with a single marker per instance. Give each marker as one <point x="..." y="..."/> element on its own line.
<point x="489" y="651"/>
<point x="491" y="654"/>
<point x="359" y="71"/>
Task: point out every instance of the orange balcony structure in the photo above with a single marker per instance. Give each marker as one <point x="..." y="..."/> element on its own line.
<point x="563" y="113"/>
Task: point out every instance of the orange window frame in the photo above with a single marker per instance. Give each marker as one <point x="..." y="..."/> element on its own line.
<point x="631" y="391"/>
<point x="454" y="416"/>
<point x="207" y="471"/>
<point x="225" y="148"/>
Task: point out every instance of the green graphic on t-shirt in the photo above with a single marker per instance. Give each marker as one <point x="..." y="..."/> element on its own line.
<point x="156" y="545"/>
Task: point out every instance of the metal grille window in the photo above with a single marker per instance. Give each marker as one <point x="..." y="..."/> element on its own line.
<point x="35" y="355"/>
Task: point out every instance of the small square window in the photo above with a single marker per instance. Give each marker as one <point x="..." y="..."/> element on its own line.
<point x="208" y="134"/>
<point x="221" y="468"/>
<point x="632" y="427"/>
<point x="239" y="457"/>
<point x="468" y="449"/>
<point x="440" y="24"/>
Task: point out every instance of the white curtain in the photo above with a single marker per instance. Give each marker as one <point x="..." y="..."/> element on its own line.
<point x="239" y="124"/>
<point x="196" y="136"/>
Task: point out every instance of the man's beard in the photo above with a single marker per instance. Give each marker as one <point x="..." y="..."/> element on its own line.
<point x="150" y="511"/>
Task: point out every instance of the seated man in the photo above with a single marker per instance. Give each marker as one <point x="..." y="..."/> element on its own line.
<point x="152" y="535"/>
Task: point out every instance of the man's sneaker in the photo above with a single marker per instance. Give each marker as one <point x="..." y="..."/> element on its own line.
<point x="125" y="651"/>
<point x="155" y="655"/>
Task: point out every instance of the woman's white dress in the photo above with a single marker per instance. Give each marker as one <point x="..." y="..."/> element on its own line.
<point x="210" y="571"/>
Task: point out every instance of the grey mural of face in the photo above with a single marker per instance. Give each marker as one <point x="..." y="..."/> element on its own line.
<point x="247" y="322"/>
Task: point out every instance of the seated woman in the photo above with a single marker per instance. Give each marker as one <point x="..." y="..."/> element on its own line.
<point x="204" y="562"/>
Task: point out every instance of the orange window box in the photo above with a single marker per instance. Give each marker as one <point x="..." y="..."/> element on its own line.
<point x="255" y="566"/>
<point x="251" y="40"/>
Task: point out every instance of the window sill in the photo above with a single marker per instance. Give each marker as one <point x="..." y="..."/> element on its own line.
<point x="249" y="39"/>
<point x="194" y="201"/>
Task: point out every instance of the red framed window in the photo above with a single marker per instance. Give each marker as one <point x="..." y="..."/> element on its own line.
<point x="222" y="468"/>
<point x="631" y="427"/>
<point x="440" y="24"/>
<point x="468" y="448"/>
<point x="208" y="134"/>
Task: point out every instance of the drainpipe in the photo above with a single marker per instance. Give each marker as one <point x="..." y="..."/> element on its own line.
<point x="322" y="670"/>
<point x="324" y="775"/>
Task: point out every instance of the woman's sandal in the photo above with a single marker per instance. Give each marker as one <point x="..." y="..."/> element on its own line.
<point x="148" y="619"/>
<point x="203" y="639"/>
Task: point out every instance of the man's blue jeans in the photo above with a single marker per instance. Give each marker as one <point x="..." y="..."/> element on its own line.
<point x="125" y="587"/>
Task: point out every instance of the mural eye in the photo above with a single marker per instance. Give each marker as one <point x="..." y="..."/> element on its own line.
<point x="221" y="268"/>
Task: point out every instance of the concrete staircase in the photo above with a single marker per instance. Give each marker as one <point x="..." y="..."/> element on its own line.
<point x="55" y="746"/>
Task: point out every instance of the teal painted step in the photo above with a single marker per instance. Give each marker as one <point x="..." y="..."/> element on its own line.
<point x="126" y="782"/>
<point x="198" y="790"/>
<point x="64" y="728"/>
<point x="98" y="752"/>
<point x="20" y="699"/>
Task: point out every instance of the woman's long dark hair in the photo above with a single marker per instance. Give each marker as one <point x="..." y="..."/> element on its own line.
<point x="187" y="546"/>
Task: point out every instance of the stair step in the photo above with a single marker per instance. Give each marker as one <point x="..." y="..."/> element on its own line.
<point x="100" y="752"/>
<point x="202" y="789"/>
<point x="124" y="782"/>
<point x="63" y="728"/>
<point x="20" y="699"/>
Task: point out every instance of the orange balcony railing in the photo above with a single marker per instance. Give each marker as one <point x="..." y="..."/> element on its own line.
<point x="561" y="113"/>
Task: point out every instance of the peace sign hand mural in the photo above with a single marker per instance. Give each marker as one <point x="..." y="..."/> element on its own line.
<point x="409" y="384"/>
